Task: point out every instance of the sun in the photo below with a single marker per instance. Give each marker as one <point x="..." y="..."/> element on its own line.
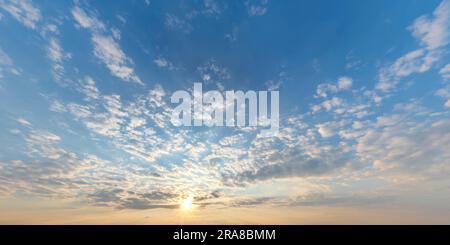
<point x="186" y="204"/>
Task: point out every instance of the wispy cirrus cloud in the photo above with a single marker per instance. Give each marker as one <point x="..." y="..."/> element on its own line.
<point x="256" y="7"/>
<point x="433" y="33"/>
<point x="23" y="11"/>
<point x="106" y="47"/>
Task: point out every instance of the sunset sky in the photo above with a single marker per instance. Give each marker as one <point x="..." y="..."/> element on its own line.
<point x="86" y="136"/>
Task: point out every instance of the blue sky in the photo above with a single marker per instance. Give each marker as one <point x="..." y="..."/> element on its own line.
<point x="364" y="111"/>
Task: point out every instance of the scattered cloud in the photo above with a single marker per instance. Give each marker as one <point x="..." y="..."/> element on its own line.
<point x="211" y="72"/>
<point x="85" y="20"/>
<point x="57" y="55"/>
<point x="6" y="63"/>
<point x="256" y="7"/>
<point x="23" y="11"/>
<point x="445" y="72"/>
<point x="420" y="150"/>
<point x="325" y="89"/>
<point x="174" y="22"/>
<point x="164" y="63"/>
<point x="108" y="51"/>
<point x="24" y="122"/>
<point x="106" y="48"/>
<point x="433" y="33"/>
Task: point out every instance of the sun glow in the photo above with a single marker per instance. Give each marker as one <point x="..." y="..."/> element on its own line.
<point x="186" y="204"/>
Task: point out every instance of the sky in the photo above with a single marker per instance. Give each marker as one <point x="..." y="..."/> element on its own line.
<point x="86" y="136"/>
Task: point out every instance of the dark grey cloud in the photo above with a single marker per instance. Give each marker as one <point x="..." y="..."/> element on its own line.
<point x="251" y="201"/>
<point x="139" y="203"/>
<point x="297" y="166"/>
<point x="343" y="200"/>
<point x="158" y="195"/>
<point x="122" y="199"/>
<point x="212" y="195"/>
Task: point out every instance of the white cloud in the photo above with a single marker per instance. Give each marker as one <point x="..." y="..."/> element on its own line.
<point x="57" y="106"/>
<point x="332" y="103"/>
<point x="388" y="120"/>
<point x="5" y="59"/>
<point x="211" y="72"/>
<point x="86" y="21"/>
<point x="445" y="72"/>
<point x="174" y="22"/>
<point x="6" y="63"/>
<point x="89" y="89"/>
<point x="24" y="122"/>
<point x="121" y="19"/>
<point x="116" y="33"/>
<point x="417" y="61"/>
<point x="345" y="83"/>
<point x="57" y="55"/>
<point x="23" y="11"/>
<point x="212" y="7"/>
<point x="109" y="52"/>
<point x="164" y="63"/>
<point x="325" y="130"/>
<point x="161" y="62"/>
<point x="274" y="85"/>
<point x="414" y="147"/>
<point x="256" y="7"/>
<point x="434" y="32"/>
<point x="106" y="48"/>
<point x="50" y="28"/>
<point x="444" y="93"/>
<point x="324" y="89"/>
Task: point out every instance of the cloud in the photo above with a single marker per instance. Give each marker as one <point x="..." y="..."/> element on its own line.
<point x="325" y="89"/>
<point x="433" y="32"/>
<point x="324" y="130"/>
<point x="7" y="63"/>
<point x="24" y="122"/>
<point x="109" y="52"/>
<point x="57" y="106"/>
<point x="86" y="21"/>
<point x="274" y="85"/>
<point x="445" y="94"/>
<point x="256" y="7"/>
<point x="211" y="72"/>
<point x="417" y="61"/>
<point x="357" y="199"/>
<point x="344" y="83"/>
<point x="23" y="11"/>
<point x="123" y="199"/>
<point x="293" y="166"/>
<point x="252" y="202"/>
<point x="164" y="63"/>
<point x="445" y="72"/>
<point x="57" y="55"/>
<point x="174" y="22"/>
<point x="5" y="59"/>
<point x="106" y="48"/>
<point x="416" y="148"/>
<point x="49" y="170"/>
<point x="89" y="89"/>
<point x="213" y="7"/>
